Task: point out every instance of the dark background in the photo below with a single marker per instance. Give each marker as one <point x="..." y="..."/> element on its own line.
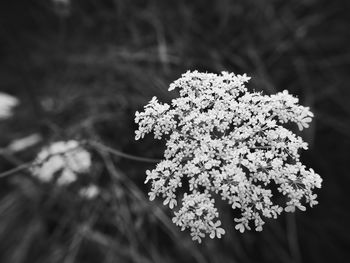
<point x="81" y="69"/>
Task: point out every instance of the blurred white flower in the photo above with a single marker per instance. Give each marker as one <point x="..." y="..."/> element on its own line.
<point x="65" y="159"/>
<point x="89" y="192"/>
<point x="7" y="103"/>
<point x="24" y="143"/>
<point x="227" y="141"/>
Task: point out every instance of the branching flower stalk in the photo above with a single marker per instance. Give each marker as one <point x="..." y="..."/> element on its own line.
<point x="226" y="141"/>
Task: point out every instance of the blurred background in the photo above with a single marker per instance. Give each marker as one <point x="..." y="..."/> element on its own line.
<point x="81" y="68"/>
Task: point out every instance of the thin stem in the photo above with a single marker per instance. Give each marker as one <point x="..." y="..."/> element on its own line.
<point x="17" y="169"/>
<point x="292" y="236"/>
<point x="95" y="144"/>
<point x="105" y="148"/>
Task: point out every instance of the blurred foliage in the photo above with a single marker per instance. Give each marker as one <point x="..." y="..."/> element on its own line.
<point x="81" y="68"/>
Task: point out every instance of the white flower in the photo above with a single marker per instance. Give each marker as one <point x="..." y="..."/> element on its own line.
<point x="198" y="214"/>
<point x="21" y="144"/>
<point x="7" y="103"/>
<point x="224" y="140"/>
<point x="62" y="159"/>
<point x="89" y="192"/>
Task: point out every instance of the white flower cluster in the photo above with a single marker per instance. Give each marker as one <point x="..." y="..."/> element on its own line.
<point x="7" y="103"/>
<point x="198" y="213"/>
<point x="228" y="142"/>
<point x="61" y="161"/>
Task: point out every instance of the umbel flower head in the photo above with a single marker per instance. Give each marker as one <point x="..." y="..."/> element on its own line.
<point x="231" y="143"/>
